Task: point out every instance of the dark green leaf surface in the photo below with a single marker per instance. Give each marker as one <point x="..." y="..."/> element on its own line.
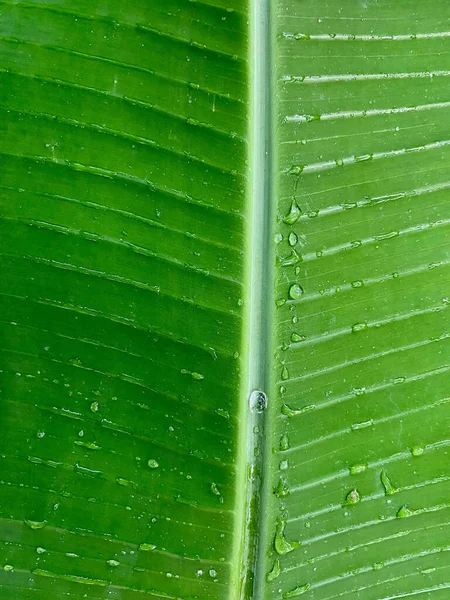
<point x="123" y="161"/>
<point x="128" y="246"/>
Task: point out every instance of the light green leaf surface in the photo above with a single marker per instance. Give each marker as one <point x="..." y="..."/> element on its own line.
<point x="201" y="200"/>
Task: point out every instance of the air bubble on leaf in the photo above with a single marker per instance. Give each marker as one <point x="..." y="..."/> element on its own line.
<point x="258" y="401"/>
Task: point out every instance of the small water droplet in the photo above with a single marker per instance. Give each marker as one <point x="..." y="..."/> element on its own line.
<point x="297" y="337"/>
<point x="295" y="291"/>
<point x="152" y="463"/>
<point x="362" y="425"/>
<point x="278" y="238"/>
<point x="298" y="591"/>
<point x="359" y="327"/>
<point x="284" y="442"/>
<point x="284" y="373"/>
<point x="417" y="451"/>
<point x="292" y="239"/>
<point x="357" y="284"/>
<point x="8" y="568"/>
<point x="35" y="524"/>
<point x="281" y="544"/>
<point x="275" y="572"/>
<point x="293" y="215"/>
<point x="358" y="468"/>
<point x="40" y="550"/>
<point x="294" y="412"/>
<point x="282" y="489"/>
<point x="147" y="547"/>
<point x="222" y="413"/>
<point x="404" y="511"/>
<point x="94" y="407"/>
<point x="352" y="498"/>
<point x="113" y="563"/>
<point x="284" y="465"/>
<point x="212" y="573"/>
<point x="389" y="487"/>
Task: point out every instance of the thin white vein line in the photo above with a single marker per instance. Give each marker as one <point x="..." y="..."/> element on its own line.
<point x="372" y="112"/>
<point x="387" y="563"/>
<point x="372" y="465"/>
<point x="351" y="160"/>
<point x="362" y="76"/>
<point x="339" y="37"/>
<point x="363" y="359"/>
<point x="375" y="388"/>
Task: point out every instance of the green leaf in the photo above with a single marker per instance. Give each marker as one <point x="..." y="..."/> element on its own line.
<point x="224" y="299"/>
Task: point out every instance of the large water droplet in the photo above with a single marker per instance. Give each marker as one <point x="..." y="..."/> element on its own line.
<point x="258" y="401"/>
<point x="295" y="291"/>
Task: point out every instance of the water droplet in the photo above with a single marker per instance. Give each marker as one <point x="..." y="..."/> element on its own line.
<point x="295" y="320"/>
<point x="258" y="401"/>
<point x="113" y="563"/>
<point x="358" y="327"/>
<point x="363" y="157"/>
<point x="281" y="544"/>
<point x="280" y="302"/>
<point x="284" y="465"/>
<point x="362" y="425"/>
<point x="357" y="284"/>
<point x="212" y="573"/>
<point x="352" y="498"/>
<point x="152" y="463"/>
<point x="125" y="482"/>
<point x="215" y="489"/>
<point x="284" y="373"/>
<point x="288" y="261"/>
<point x="300" y="589"/>
<point x="296" y="170"/>
<point x="88" y="445"/>
<point x="275" y="572"/>
<point x="404" y="511"/>
<point x="222" y="413"/>
<point x="35" y="524"/>
<point x="282" y="489"/>
<point x="377" y="566"/>
<point x="356" y="469"/>
<point x="293" y="215"/>
<point x="193" y="374"/>
<point x="284" y="442"/>
<point x="296" y="337"/>
<point x="339" y="162"/>
<point x="295" y="291"/>
<point x="278" y="238"/>
<point x="417" y="451"/>
<point x="292" y="239"/>
<point x="8" y="568"/>
<point x="389" y="487"/>
<point x="147" y="547"/>
<point x="94" y="407"/>
<point x="294" y="412"/>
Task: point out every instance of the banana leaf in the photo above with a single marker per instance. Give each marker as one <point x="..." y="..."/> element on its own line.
<point x="224" y="291"/>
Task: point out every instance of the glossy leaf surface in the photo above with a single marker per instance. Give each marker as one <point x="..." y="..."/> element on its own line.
<point x="140" y="139"/>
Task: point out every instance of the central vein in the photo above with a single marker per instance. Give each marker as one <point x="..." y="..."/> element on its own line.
<point x="257" y="338"/>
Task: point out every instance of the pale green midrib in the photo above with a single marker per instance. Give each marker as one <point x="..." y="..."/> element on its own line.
<point x="251" y="523"/>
